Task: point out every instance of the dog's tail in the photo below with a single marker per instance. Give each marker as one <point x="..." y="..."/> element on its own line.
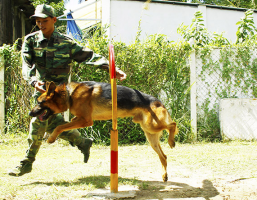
<point x="173" y="130"/>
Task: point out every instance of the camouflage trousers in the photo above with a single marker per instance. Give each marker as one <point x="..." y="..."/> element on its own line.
<point x="37" y="131"/>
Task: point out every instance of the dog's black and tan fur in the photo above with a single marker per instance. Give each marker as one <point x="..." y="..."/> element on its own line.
<point x="90" y="101"/>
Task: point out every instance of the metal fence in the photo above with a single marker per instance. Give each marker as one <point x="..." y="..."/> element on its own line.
<point x="217" y="74"/>
<point x="222" y="73"/>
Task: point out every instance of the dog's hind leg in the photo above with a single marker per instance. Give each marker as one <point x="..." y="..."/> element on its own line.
<point x="173" y="130"/>
<point x="155" y="144"/>
<point x="159" y="120"/>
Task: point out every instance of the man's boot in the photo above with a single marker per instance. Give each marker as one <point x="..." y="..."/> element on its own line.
<point x="84" y="147"/>
<point x="24" y="168"/>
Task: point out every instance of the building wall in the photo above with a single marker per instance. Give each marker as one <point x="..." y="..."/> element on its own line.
<point x="5" y="22"/>
<point x="14" y="20"/>
<point x="224" y="20"/>
<point x="165" y="17"/>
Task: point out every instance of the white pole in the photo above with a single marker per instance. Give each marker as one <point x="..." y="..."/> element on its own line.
<point x="193" y="93"/>
<point x="2" y="107"/>
<point x="66" y="114"/>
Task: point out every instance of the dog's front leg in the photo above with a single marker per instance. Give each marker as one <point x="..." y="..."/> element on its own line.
<point x="77" y="122"/>
<point x="54" y="135"/>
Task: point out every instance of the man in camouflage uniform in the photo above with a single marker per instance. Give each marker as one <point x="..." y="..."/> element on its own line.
<point x="47" y="56"/>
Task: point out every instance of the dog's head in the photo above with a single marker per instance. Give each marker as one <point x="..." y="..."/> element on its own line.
<point x="49" y="103"/>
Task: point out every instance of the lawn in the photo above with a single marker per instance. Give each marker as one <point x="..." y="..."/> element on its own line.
<point x="196" y="171"/>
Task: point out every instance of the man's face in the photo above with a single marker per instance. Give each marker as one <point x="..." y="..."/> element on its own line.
<point x="46" y="25"/>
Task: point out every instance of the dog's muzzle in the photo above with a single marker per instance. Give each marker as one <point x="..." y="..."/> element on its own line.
<point x="42" y="113"/>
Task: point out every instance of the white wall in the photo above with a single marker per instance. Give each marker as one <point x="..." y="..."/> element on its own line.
<point x="165" y="18"/>
<point x="223" y="20"/>
<point x="238" y="118"/>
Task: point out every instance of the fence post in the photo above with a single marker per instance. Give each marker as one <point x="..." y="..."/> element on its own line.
<point x="193" y="92"/>
<point x="67" y="114"/>
<point x="2" y="107"/>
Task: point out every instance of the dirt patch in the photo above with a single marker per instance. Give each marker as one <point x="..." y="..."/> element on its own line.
<point x="183" y="188"/>
<point x="195" y="172"/>
<point x="195" y="187"/>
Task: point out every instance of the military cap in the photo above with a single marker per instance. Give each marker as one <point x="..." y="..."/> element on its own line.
<point x="44" y="11"/>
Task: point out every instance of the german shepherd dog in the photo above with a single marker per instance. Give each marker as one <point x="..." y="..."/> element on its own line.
<point x="89" y="101"/>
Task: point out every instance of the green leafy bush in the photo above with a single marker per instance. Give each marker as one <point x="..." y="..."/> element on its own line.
<point x="17" y="92"/>
<point x="154" y="66"/>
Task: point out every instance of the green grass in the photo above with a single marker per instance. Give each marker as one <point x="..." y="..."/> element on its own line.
<point x="59" y="173"/>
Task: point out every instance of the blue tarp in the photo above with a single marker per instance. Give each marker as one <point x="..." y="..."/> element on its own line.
<point x="72" y="28"/>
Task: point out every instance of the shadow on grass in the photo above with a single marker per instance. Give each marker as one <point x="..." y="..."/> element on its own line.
<point x="149" y="189"/>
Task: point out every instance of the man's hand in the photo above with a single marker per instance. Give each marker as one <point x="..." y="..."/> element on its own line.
<point x="120" y="75"/>
<point x="38" y="86"/>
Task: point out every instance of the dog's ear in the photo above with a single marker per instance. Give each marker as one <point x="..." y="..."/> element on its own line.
<point x="61" y="89"/>
<point x="63" y="86"/>
<point x="50" y="88"/>
<point x="47" y="85"/>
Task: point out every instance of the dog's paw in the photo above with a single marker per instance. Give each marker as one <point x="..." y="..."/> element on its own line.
<point x="165" y="177"/>
<point x="51" y="140"/>
<point x="172" y="143"/>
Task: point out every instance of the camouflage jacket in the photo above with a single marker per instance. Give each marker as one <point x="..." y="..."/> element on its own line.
<point x="50" y="60"/>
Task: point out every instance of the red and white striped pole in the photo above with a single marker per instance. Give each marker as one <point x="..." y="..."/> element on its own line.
<point x="114" y="131"/>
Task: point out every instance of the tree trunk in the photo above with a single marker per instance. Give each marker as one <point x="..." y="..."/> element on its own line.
<point x="6" y="16"/>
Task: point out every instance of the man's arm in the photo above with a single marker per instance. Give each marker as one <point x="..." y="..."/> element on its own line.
<point x="91" y="58"/>
<point x="28" y="69"/>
